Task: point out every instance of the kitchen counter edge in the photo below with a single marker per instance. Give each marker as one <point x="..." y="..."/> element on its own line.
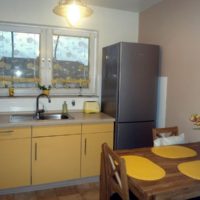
<point x="78" y="117"/>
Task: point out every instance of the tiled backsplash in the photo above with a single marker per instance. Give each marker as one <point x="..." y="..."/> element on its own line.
<point x="29" y="103"/>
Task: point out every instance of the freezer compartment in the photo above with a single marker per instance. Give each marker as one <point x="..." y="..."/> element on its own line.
<point x="133" y="135"/>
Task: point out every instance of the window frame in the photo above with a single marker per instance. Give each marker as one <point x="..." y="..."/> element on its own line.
<point x="46" y="57"/>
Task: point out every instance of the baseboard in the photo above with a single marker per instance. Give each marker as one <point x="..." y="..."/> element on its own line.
<point x="49" y="185"/>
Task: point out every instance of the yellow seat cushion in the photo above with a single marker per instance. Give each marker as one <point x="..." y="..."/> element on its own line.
<point x="191" y="169"/>
<point x="173" y="151"/>
<point x="142" y="168"/>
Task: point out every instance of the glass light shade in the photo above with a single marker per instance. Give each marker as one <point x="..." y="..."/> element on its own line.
<point x="73" y="14"/>
<point x="73" y="10"/>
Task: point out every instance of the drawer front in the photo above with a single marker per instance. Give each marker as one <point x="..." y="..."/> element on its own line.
<point x="56" y="130"/>
<point x="97" y="128"/>
<point x="15" y="133"/>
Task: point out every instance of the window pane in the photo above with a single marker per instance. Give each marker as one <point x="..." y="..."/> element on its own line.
<point x="70" y="62"/>
<point x="19" y="59"/>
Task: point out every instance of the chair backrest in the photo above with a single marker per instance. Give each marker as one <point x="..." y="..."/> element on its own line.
<point x="116" y="177"/>
<point x="164" y="132"/>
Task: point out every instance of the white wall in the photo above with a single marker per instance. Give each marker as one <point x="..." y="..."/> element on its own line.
<point x="161" y="99"/>
<point x="112" y="25"/>
<point x="29" y="104"/>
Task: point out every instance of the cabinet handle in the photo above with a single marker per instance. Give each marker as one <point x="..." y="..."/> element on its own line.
<point x="85" y="148"/>
<point x="35" y="151"/>
<point x="7" y="131"/>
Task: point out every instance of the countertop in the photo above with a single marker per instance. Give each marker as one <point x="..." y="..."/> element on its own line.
<point x="78" y="117"/>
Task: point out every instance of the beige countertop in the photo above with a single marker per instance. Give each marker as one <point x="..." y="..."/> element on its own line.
<point x="78" y="117"/>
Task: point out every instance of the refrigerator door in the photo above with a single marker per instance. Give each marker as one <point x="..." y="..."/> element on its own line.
<point x="137" y="82"/>
<point x="133" y="135"/>
<point x="110" y="80"/>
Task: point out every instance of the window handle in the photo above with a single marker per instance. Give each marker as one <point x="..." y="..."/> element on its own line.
<point x="49" y="63"/>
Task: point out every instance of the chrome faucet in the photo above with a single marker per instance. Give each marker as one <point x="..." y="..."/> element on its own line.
<point x="39" y="111"/>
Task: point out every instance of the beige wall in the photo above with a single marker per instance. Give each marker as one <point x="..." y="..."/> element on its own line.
<point x="175" y="26"/>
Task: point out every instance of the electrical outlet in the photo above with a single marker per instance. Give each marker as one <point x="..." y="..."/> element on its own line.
<point x="73" y="103"/>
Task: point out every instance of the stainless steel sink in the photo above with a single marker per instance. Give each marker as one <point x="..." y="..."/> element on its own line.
<point x="21" y="117"/>
<point x="49" y="116"/>
<point x="44" y="116"/>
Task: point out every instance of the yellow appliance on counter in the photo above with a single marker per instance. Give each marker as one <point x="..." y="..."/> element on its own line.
<point x="91" y="107"/>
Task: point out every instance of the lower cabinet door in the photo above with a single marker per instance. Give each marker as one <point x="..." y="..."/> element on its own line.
<point x="91" y="152"/>
<point x="55" y="158"/>
<point x="15" y="162"/>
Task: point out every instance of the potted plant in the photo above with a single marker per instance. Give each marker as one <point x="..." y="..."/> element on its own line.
<point x="11" y="89"/>
<point x="45" y="89"/>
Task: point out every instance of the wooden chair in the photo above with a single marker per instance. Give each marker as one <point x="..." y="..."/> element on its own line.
<point x="168" y="131"/>
<point x="113" y="179"/>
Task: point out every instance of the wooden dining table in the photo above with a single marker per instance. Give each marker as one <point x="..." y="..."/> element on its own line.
<point x="173" y="186"/>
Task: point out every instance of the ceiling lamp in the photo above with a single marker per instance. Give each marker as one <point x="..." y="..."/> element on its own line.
<point x="72" y="10"/>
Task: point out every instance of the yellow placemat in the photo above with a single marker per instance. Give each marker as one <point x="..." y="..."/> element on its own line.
<point x="191" y="169"/>
<point x="142" y="168"/>
<point x="174" y="151"/>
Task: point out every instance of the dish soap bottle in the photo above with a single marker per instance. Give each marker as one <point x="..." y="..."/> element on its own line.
<point x="64" y="109"/>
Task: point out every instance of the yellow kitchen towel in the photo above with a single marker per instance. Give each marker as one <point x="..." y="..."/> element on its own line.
<point x="174" y="151"/>
<point x="190" y="169"/>
<point x="142" y="168"/>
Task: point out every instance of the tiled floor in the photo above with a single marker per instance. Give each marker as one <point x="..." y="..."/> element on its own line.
<point x="89" y="191"/>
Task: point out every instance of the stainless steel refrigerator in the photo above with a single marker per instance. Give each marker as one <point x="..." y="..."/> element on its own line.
<point x="129" y="91"/>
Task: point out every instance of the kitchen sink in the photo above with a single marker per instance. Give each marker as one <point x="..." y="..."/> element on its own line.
<point x="21" y="117"/>
<point x="54" y="116"/>
<point x="44" y="116"/>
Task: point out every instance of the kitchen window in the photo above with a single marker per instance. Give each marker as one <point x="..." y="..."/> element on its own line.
<point x="60" y="57"/>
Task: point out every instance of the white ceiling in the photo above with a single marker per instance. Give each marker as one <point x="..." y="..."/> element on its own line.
<point x="128" y="5"/>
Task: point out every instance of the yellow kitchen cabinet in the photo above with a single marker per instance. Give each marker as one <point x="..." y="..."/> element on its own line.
<point x="15" y="157"/>
<point x="93" y="136"/>
<point x="55" y="153"/>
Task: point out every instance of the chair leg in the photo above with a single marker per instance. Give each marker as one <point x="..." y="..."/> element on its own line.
<point x="115" y="196"/>
<point x="104" y="188"/>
